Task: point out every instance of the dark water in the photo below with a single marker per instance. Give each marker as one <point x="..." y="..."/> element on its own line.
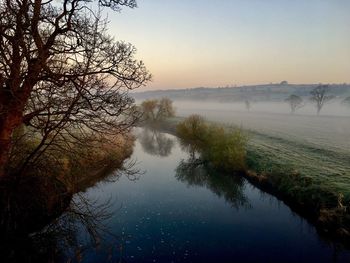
<point x="179" y="211"/>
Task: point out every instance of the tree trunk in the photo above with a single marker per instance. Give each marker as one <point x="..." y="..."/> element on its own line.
<point x="319" y="110"/>
<point x="9" y="121"/>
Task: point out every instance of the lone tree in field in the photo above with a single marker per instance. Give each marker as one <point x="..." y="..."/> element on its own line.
<point x="62" y="76"/>
<point x="295" y="102"/>
<point x="157" y="110"/>
<point x="319" y="96"/>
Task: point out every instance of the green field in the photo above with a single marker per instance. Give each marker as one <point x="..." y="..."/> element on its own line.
<point x="322" y="169"/>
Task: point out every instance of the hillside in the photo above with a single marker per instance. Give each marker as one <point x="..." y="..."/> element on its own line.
<point x="266" y="92"/>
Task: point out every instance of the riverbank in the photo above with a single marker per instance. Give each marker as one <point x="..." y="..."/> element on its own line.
<point x="313" y="182"/>
<point x="30" y="206"/>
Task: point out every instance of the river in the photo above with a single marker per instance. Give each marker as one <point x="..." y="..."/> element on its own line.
<point x="173" y="209"/>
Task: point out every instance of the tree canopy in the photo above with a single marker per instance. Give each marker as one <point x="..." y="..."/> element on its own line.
<point x="62" y="75"/>
<point x="157" y="110"/>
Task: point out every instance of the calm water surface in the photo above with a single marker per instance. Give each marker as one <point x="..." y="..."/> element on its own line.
<point x="177" y="211"/>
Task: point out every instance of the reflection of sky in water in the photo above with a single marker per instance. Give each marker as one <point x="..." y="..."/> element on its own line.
<point x="160" y="219"/>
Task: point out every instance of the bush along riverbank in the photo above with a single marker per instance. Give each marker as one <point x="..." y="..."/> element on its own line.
<point x="321" y="201"/>
<point x="225" y="150"/>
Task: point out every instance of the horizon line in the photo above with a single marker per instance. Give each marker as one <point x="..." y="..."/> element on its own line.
<point x="237" y="86"/>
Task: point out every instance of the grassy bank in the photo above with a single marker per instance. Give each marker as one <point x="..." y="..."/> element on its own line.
<point x="89" y="165"/>
<point x="323" y="168"/>
<point x="313" y="181"/>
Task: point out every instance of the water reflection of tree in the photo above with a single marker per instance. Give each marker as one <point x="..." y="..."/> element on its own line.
<point x="195" y="172"/>
<point x="82" y="227"/>
<point x="155" y="142"/>
<point x="60" y="241"/>
<point x="85" y="225"/>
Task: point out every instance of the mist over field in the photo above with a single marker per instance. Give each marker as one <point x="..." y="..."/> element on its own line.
<point x="330" y="130"/>
<point x="267" y="111"/>
<point x="333" y="108"/>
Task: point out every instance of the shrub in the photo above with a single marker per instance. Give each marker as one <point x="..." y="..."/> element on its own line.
<point x="224" y="149"/>
<point x="193" y="130"/>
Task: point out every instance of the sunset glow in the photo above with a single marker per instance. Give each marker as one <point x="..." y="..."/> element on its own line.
<point x="203" y="43"/>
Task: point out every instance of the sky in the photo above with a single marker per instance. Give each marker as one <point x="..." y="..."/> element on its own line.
<point x="206" y="43"/>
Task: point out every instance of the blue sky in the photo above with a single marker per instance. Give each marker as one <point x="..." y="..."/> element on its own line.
<point x="191" y="43"/>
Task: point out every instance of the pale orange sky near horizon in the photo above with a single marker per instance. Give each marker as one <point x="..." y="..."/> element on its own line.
<point x="187" y="44"/>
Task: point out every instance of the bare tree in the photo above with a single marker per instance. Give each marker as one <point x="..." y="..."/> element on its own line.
<point x="319" y="96"/>
<point x="157" y="110"/>
<point x="62" y="74"/>
<point x="165" y="109"/>
<point x="295" y="102"/>
<point x="148" y="108"/>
